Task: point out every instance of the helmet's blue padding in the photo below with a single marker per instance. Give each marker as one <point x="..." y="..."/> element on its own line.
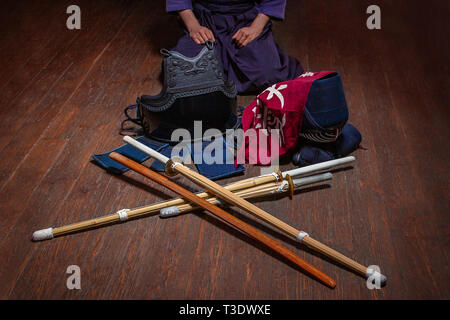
<point x="348" y="141"/>
<point x="312" y="153"/>
<point x="309" y="155"/>
<point x="326" y="105"/>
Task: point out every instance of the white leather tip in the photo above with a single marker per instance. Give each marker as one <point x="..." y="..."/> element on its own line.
<point x="327" y="176"/>
<point x="379" y="276"/>
<point x="127" y="139"/>
<point x="301" y="236"/>
<point x="169" y="212"/>
<point x="44" y="234"/>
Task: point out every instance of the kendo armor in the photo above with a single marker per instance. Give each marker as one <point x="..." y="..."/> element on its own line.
<point x="193" y="89"/>
<point x="325" y="130"/>
<point x="326" y="110"/>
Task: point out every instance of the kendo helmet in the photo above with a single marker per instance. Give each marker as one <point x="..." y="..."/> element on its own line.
<point x="326" y="110"/>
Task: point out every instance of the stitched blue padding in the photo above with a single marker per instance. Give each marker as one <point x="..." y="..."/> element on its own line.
<point x="211" y="171"/>
<point x="312" y="153"/>
<point x="128" y="151"/>
<point x="326" y="105"/>
<point x="217" y="171"/>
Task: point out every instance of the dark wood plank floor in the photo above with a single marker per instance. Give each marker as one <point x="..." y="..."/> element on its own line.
<point x="62" y="94"/>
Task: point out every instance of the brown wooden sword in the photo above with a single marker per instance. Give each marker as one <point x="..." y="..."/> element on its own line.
<point x="226" y="217"/>
<point x="174" y="167"/>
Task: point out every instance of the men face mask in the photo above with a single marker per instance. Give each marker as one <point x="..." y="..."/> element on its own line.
<point x="325" y="135"/>
<point x="326" y="110"/>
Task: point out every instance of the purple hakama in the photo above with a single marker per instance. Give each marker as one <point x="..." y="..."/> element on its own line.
<point x="254" y="67"/>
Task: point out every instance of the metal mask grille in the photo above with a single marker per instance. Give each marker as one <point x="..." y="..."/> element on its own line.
<point x="322" y="136"/>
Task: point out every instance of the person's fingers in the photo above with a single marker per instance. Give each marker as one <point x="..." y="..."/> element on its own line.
<point x="194" y="37"/>
<point x="200" y="38"/>
<point x="207" y="35"/>
<point x="242" y="39"/>
<point x="237" y="34"/>
<point x="197" y="39"/>
<point x="203" y="35"/>
<point x="210" y="35"/>
<point x="247" y="41"/>
<point x="238" y="38"/>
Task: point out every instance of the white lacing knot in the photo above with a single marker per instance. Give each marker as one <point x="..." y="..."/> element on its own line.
<point x="302" y="235"/>
<point x="169" y="212"/>
<point x="282" y="186"/>
<point x="123" y="214"/>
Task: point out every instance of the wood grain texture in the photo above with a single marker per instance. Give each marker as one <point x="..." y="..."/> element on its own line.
<point x="245" y="228"/>
<point x="62" y="94"/>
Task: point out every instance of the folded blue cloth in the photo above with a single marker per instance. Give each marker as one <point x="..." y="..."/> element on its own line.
<point x="130" y="152"/>
<point x="211" y="171"/>
<point x="226" y="168"/>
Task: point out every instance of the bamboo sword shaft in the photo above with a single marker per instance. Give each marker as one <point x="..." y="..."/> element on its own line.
<point x="165" y="208"/>
<point x="228" y="196"/>
<point x="125" y="214"/>
<point x="228" y="218"/>
<point x="257" y="191"/>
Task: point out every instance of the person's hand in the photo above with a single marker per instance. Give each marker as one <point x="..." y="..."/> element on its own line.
<point x="246" y="35"/>
<point x="197" y="33"/>
<point x="201" y="34"/>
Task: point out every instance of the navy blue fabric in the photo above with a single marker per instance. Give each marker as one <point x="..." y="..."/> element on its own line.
<point x="217" y="171"/>
<point x="326" y="105"/>
<point x="128" y="151"/>
<point x="311" y="153"/>
<point x="348" y="141"/>
<point x="211" y="171"/>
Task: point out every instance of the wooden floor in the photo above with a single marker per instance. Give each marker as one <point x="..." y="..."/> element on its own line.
<point x="62" y="94"/>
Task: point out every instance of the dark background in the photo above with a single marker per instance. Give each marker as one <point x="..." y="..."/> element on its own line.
<point x="62" y="93"/>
